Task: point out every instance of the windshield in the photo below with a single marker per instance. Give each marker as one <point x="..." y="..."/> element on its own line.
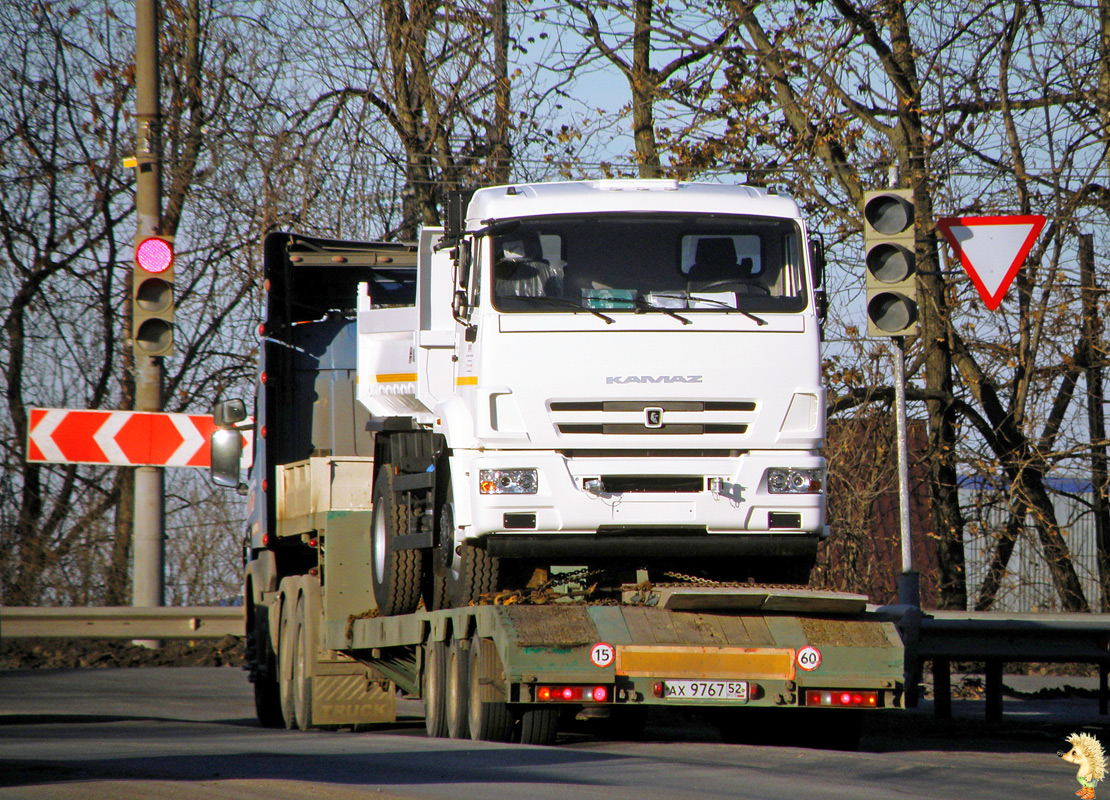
<point x="641" y="262"/>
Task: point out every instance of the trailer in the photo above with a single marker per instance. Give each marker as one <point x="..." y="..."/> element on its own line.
<point x="515" y="671"/>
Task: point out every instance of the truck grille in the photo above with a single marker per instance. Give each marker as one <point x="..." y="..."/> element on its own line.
<point x="672" y="484"/>
<point x="652" y="417"/>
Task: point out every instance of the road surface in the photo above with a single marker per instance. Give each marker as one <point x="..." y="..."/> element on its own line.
<point x="170" y="733"/>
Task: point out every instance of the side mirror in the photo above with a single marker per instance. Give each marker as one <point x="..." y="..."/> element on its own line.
<point x="817" y="260"/>
<point x="226" y="443"/>
<point x="454" y="224"/>
<point x="229" y="412"/>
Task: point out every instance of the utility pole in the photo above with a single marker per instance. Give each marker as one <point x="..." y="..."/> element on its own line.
<point x="1090" y="345"/>
<point x="149" y="558"/>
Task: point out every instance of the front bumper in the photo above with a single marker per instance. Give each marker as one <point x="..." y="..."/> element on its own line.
<point x="710" y="496"/>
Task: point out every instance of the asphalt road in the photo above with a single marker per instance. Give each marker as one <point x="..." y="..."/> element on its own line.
<point x="190" y="733"/>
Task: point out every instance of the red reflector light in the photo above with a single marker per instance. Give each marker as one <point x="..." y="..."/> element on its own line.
<point x="815" y="697"/>
<point x="154" y="255"/>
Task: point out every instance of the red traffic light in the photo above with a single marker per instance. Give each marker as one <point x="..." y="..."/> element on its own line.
<point x="154" y="255"/>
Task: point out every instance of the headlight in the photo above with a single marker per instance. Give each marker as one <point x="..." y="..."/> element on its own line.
<point x="782" y="480"/>
<point x="507" y="481"/>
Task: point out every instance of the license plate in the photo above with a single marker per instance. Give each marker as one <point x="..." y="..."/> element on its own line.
<point x="705" y="690"/>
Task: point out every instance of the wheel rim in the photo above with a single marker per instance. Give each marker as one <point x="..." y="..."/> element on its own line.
<point x="379" y="534"/>
<point x="447" y="553"/>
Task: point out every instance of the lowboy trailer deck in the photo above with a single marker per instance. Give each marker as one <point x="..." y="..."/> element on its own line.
<point x="512" y="671"/>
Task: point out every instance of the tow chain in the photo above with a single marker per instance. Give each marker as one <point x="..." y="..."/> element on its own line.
<point x="694" y="579"/>
<point x="545" y="592"/>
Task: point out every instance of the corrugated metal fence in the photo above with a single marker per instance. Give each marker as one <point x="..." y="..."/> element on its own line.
<point x="1028" y="583"/>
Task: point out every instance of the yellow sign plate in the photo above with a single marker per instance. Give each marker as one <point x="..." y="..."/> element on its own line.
<point x="705" y="662"/>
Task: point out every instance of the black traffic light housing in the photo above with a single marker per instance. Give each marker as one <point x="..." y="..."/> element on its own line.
<point x="152" y="296"/>
<point x="889" y="234"/>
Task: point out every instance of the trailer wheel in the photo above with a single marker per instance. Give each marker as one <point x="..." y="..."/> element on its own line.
<point x="539" y="726"/>
<point x="435" y="689"/>
<point x="262" y="661"/>
<point x="395" y="574"/>
<point x="490" y="719"/>
<point x="457" y="680"/>
<point x="304" y="656"/>
<point x="285" y="652"/>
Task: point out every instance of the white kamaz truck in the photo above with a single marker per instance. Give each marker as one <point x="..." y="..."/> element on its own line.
<point x="621" y="376"/>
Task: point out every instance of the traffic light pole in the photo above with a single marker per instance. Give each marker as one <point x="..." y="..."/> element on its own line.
<point x="908" y="587"/>
<point x="890" y="262"/>
<point x="149" y="559"/>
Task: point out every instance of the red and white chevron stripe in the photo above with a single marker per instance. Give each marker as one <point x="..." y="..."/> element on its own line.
<point x="126" y="438"/>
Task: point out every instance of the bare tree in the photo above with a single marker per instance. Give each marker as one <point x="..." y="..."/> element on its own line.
<point x="627" y="35"/>
<point x="882" y="84"/>
<point x="428" y="82"/>
<point x="66" y="229"/>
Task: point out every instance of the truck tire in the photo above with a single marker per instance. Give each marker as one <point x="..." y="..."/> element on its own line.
<point x="473" y="574"/>
<point x="264" y="673"/>
<point x="457" y="680"/>
<point x="286" y="646"/>
<point x="490" y="720"/>
<point x="434" y="690"/>
<point x="539" y="726"/>
<point x="394" y="574"/>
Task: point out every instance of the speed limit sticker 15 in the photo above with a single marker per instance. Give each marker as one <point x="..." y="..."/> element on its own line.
<point x="602" y="654"/>
<point x="809" y="658"/>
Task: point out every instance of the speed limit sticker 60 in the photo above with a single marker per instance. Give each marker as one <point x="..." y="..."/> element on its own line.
<point x="809" y="658"/>
<point x="602" y="654"/>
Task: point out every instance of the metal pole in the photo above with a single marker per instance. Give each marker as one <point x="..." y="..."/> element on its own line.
<point x="908" y="591"/>
<point x="1090" y="336"/>
<point x="147" y="578"/>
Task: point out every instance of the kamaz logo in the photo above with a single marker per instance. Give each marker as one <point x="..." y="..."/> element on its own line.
<point x="653" y="379"/>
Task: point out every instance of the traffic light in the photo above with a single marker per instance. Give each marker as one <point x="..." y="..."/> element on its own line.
<point x="152" y="301"/>
<point x="890" y="261"/>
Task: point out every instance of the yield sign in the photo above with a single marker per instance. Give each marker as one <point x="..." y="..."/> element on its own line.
<point x="125" y="438"/>
<point x="992" y="249"/>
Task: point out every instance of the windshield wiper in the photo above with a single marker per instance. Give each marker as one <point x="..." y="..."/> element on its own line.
<point x="722" y="304"/>
<point x="643" y="305"/>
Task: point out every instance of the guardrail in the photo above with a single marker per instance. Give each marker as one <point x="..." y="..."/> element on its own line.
<point x="998" y="638"/>
<point x="939" y="637"/>
<point x="121" y="622"/>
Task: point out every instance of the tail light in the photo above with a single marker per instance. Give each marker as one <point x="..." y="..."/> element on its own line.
<point x="842" y="698"/>
<point x="573" y="694"/>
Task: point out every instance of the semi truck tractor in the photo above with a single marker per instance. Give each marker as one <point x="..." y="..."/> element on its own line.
<point x="613" y="382"/>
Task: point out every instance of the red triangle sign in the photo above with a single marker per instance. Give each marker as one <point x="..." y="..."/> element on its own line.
<point x="992" y="249"/>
